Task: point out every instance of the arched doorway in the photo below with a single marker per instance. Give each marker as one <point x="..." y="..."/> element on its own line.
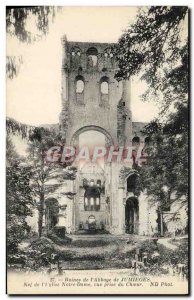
<point x="93" y="128"/>
<point x="51" y="213"/>
<point x="132" y="215"/>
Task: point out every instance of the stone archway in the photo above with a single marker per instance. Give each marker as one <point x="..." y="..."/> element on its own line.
<point x="74" y="139"/>
<point x="132" y="215"/>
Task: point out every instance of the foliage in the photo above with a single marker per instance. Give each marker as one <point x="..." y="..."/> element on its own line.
<point x="174" y="257"/>
<point x="41" y="140"/>
<point x="164" y="258"/>
<point x="148" y="246"/>
<point x="167" y="164"/>
<point x="155" y="47"/>
<point x="17" y="19"/>
<point x="38" y="255"/>
<point x="13" y="64"/>
<point x="17" y="128"/>
<point x="45" y="174"/>
<point x="58" y="240"/>
<point x="19" y="199"/>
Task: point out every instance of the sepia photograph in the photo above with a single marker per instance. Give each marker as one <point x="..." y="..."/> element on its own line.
<point x="97" y="150"/>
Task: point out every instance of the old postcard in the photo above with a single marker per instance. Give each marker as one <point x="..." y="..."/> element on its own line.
<point x="97" y="150"/>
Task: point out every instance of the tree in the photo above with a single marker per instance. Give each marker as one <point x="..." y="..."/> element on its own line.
<point x="153" y="47"/>
<point x="16" y="21"/>
<point x="156" y="48"/>
<point x="46" y="176"/>
<point x="19" y="198"/>
<point x="14" y="127"/>
<point x="44" y="173"/>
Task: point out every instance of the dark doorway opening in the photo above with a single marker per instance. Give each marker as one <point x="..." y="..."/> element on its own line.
<point x="132" y="216"/>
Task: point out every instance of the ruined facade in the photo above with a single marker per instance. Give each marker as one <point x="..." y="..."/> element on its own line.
<point x="93" y="100"/>
<point x="96" y="109"/>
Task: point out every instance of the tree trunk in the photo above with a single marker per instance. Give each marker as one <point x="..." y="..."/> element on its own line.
<point x="41" y="214"/>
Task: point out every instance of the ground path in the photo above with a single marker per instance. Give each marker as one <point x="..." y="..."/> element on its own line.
<point x="167" y="242"/>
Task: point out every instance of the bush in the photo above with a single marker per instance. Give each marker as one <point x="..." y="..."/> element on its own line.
<point x="38" y="255"/>
<point x="57" y="240"/>
<point x="17" y="230"/>
<point x="149" y="246"/>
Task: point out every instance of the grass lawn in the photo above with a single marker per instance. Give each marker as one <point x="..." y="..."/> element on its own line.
<point x="102" y="252"/>
<point x="96" y="254"/>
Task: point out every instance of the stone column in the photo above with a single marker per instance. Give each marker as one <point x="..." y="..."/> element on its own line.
<point x="64" y="87"/>
<point x="121" y="211"/>
<point x="126" y="96"/>
<point x="144" y="217"/>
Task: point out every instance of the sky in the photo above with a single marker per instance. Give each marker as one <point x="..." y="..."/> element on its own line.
<point x="34" y="96"/>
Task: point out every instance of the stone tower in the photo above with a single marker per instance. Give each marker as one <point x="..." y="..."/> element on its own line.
<point x="91" y="94"/>
<point x="92" y="99"/>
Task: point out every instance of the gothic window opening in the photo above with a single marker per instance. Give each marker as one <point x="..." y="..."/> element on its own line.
<point x="79" y="88"/>
<point x="92" y="203"/>
<point x="104" y="91"/>
<point x="104" y="88"/>
<point x="92" y="55"/>
<point x="92" y="198"/>
<point x="132" y="183"/>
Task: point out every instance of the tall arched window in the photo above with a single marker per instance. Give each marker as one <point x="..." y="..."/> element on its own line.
<point x="104" y="90"/>
<point x="92" y="203"/>
<point x="92" y="54"/>
<point x="92" y="199"/>
<point x="79" y="89"/>
<point x="79" y="86"/>
<point x="132" y="183"/>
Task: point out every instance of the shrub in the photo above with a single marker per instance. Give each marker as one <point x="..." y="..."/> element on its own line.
<point x="58" y="240"/>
